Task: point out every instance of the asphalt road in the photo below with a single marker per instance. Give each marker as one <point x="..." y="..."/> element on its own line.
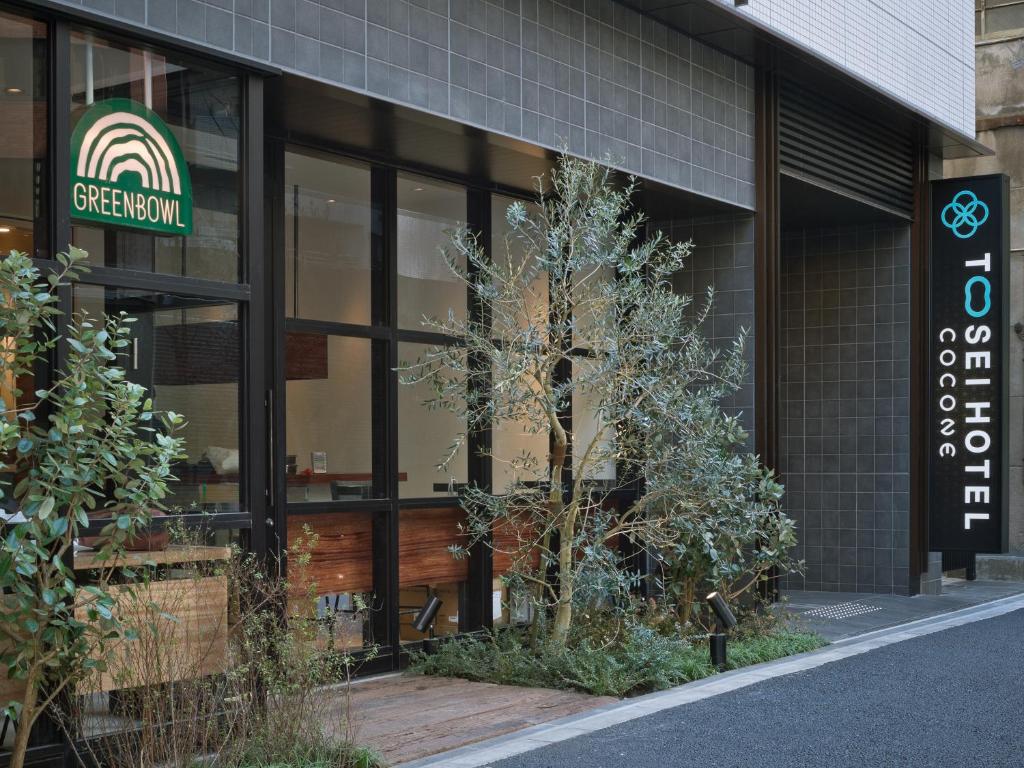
<point x="954" y="698"/>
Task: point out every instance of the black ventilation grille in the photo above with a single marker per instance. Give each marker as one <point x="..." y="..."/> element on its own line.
<point x="832" y="146"/>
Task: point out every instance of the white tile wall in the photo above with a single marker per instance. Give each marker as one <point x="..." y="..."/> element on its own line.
<point x="920" y="51"/>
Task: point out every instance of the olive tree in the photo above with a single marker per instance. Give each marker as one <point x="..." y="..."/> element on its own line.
<point x="87" y="441"/>
<point x="637" y="357"/>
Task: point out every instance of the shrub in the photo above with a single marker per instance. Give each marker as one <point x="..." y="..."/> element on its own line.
<point x="88" y="440"/>
<point x="281" y="701"/>
<point x="601" y="658"/>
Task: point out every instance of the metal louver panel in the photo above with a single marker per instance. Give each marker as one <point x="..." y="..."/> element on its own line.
<point x="833" y="146"/>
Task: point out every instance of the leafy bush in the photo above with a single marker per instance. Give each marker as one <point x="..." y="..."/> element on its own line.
<point x="86" y="441"/>
<point x="626" y="659"/>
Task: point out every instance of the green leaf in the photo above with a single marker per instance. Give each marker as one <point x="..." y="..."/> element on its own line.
<point x="45" y="508"/>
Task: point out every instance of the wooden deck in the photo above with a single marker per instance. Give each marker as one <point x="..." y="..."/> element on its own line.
<point x="407" y="717"/>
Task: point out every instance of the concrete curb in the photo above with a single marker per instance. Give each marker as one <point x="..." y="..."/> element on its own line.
<point x="486" y="752"/>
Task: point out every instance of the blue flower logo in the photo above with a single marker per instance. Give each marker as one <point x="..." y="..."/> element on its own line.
<point x="964" y="214"/>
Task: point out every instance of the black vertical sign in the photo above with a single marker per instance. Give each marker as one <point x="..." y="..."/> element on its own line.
<point x="969" y="278"/>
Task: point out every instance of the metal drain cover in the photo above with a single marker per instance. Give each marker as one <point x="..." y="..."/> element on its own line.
<point x="841" y="610"/>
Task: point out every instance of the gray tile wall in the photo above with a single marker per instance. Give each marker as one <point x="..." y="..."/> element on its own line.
<point x="723" y="257"/>
<point x="591" y="75"/>
<point x="844" y="416"/>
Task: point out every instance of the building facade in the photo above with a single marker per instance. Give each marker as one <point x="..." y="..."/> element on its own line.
<point x="999" y="56"/>
<point x="330" y="143"/>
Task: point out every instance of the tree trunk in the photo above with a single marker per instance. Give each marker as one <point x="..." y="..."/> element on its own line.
<point x="563" y="614"/>
<point x="25" y="720"/>
<point x="557" y="510"/>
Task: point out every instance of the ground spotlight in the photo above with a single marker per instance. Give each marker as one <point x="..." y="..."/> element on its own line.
<point x="425" y="618"/>
<point x="726" y="620"/>
<point x="716" y="640"/>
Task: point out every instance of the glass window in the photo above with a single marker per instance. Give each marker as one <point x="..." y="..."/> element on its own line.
<point x="427" y="211"/>
<point x="519" y="453"/>
<point x="327" y="239"/>
<point x="426" y="569"/>
<point x="1004" y="19"/>
<point x="509" y="253"/>
<point x="513" y="442"/>
<point x="591" y="315"/>
<point x="586" y="429"/>
<point x="424" y="437"/>
<point x="23" y="136"/>
<point x="339" y="572"/>
<point x="186" y="353"/>
<point x="329" y="417"/>
<point x="202" y="107"/>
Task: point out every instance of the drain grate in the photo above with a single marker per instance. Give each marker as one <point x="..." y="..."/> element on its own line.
<point x="841" y="610"/>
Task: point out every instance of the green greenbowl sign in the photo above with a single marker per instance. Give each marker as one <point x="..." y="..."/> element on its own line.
<point x="127" y="170"/>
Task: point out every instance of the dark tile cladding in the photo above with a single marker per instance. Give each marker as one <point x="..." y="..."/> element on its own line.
<point x="590" y="75"/>
<point x="844" y="405"/>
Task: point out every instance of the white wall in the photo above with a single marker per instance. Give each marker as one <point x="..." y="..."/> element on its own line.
<point x="920" y="51"/>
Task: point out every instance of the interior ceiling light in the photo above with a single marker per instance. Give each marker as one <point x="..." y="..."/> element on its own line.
<point x="417" y="189"/>
<point x="5" y="229"/>
<point x="12" y="89"/>
<point x="331" y="200"/>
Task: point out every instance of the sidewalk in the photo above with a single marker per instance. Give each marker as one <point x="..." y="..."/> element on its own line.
<point x="839" y="615"/>
<point x="488" y="753"/>
<point x="418" y="722"/>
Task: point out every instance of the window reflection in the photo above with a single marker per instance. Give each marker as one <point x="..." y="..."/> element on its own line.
<point x="427" y="212"/>
<point x="424" y="437"/>
<point x="327" y="239"/>
<point x="185" y="352"/>
<point x="23" y="131"/>
<point x="519" y="449"/>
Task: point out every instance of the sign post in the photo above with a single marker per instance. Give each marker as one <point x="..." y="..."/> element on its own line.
<point x="969" y="281"/>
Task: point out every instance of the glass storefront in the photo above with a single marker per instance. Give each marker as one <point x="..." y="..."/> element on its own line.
<point x="287" y="369"/>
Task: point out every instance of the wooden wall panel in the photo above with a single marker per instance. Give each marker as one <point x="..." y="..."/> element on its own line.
<point x="193" y="644"/>
<point x="343" y="559"/>
<point x="506" y="538"/>
<point x="424" y="536"/>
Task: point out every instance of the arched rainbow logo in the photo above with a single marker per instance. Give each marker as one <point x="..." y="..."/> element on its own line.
<point x="128" y="170"/>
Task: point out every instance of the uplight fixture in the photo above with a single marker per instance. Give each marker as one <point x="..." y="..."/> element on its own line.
<point x="725" y="621"/>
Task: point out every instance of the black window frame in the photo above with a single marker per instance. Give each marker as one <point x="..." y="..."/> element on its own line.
<point x="246" y="293"/>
